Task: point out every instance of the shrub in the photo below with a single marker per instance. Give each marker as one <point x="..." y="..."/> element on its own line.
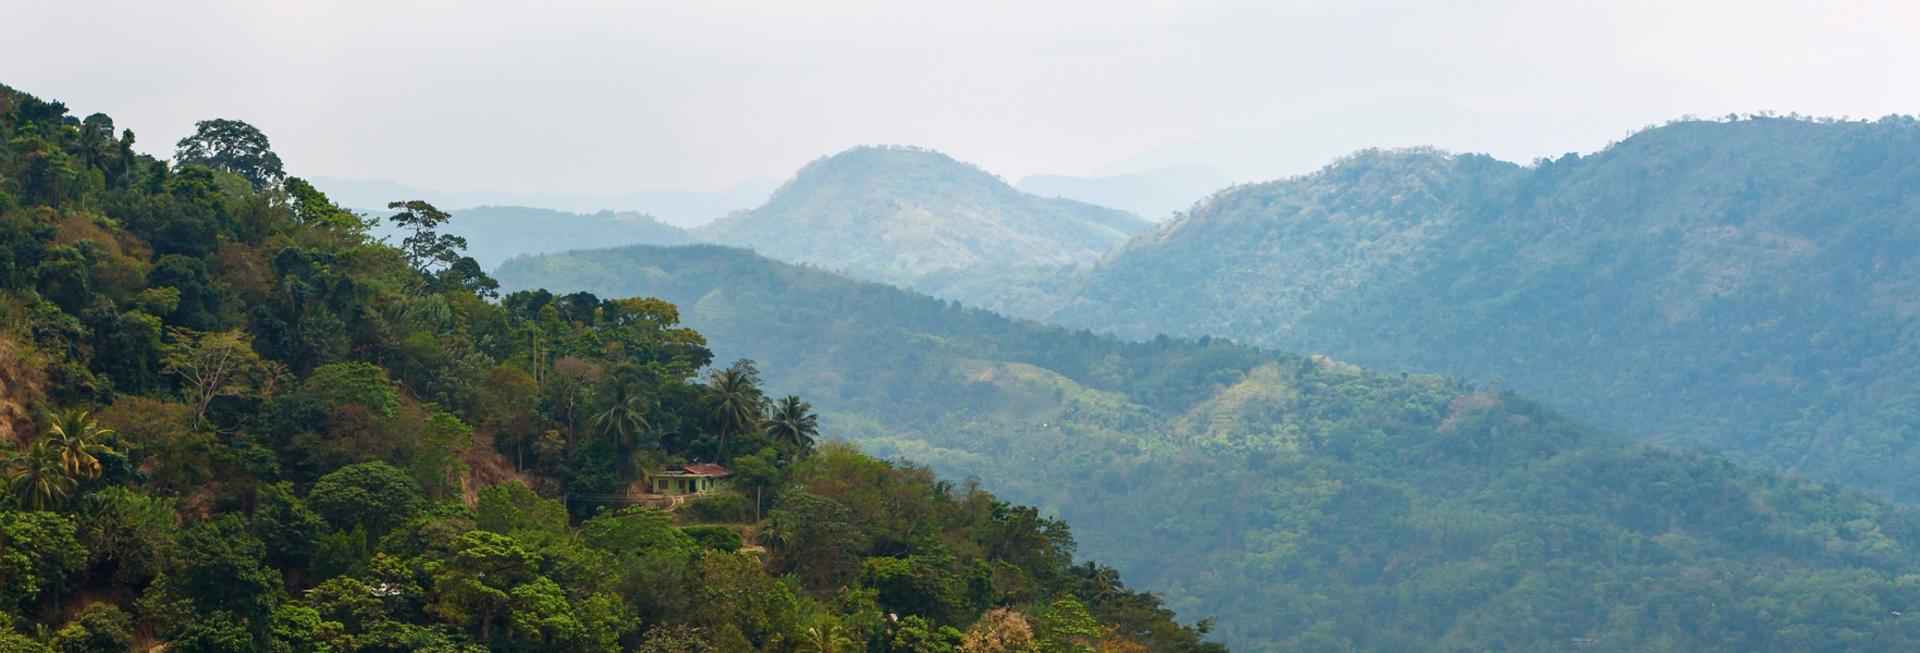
<point x="724" y="507"/>
<point x="715" y="537"/>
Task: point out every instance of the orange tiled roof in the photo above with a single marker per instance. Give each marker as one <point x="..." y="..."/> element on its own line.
<point x="707" y="469"/>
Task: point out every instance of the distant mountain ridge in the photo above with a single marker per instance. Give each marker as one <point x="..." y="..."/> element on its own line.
<point x="677" y="207"/>
<point x="897" y="213"/>
<point x="1156" y="195"/>
<point x="1747" y="286"/>
<point x="1301" y="502"/>
<point x="497" y="233"/>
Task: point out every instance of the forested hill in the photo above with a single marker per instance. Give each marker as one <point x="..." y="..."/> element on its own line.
<point x="1751" y="287"/>
<point x="234" y="421"/>
<point x="896" y="214"/>
<point x="1308" y="504"/>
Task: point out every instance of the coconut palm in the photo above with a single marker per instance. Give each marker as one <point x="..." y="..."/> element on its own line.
<point x="734" y="402"/>
<point x="38" y="476"/>
<point x="827" y="637"/>
<point x="625" y="416"/>
<point x="75" y="437"/>
<point x="793" y="421"/>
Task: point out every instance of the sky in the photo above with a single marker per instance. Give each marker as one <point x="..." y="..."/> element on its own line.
<point x="615" y="97"/>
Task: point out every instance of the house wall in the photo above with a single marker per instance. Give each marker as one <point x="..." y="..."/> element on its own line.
<point x="682" y="485"/>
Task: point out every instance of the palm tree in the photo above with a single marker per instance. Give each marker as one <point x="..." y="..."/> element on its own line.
<point x="625" y="416"/>
<point x="793" y="421"/>
<point x="733" y="402"/>
<point x="827" y="637"/>
<point x="75" y="438"/>
<point x="39" y="476"/>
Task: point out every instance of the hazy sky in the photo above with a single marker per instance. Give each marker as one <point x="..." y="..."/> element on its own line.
<point x="607" y="97"/>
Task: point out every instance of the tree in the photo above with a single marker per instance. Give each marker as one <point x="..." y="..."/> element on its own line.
<point x="915" y="634"/>
<point x="285" y="525"/>
<point x="542" y="619"/>
<point x="426" y="249"/>
<point x="793" y="421"/>
<point x="512" y="506"/>
<point x="38" y="551"/>
<point x="625" y="415"/>
<point x="1066" y="627"/>
<point x="733" y="402"/>
<point x="100" y="628"/>
<point x="825" y="637"/>
<point x="232" y="146"/>
<point x="222" y="570"/>
<point x="677" y="638"/>
<point x="1000" y="631"/>
<point x="476" y="584"/>
<point x="213" y="364"/>
<point x="817" y="539"/>
<point x="129" y="535"/>
<point x="75" y="437"/>
<point x="372" y="494"/>
<point x="39" y="476"/>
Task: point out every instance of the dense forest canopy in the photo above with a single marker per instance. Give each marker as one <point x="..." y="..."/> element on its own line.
<point x="237" y="422"/>
<point x="1744" y="286"/>
<point x="1308" y="504"/>
<point x="898" y="214"/>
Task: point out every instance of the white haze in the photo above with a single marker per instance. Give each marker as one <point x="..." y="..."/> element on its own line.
<point x="607" y="98"/>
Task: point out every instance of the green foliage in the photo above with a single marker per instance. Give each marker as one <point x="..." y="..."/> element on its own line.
<point x="634" y="529"/>
<point x="718" y="538"/>
<point x="100" y="628"/>
<point x="723" y="507"/>
<point x="286" y="526"/>
<point x="38" y="551"/>
<point x="12" y="642"/>
<point x="331" y="387"/>
<point x="129" y="535"/>
<point x="792" y="421"/>
<point x="232" y="146"/>
<point x="1066" y="627"/>
<point x="373" y="495"/>
<point x="917" y="634"/>
<point x="512" y="507"/>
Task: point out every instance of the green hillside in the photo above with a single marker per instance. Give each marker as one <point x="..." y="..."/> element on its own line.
<point x="232" y="420"/>
<point x="1303" y="503"/>
<point x="1749" y="287"/>
<point x="897" y="214"/>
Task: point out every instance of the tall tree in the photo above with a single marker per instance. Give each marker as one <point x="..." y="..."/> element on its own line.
<point x="427" y="249"/>
<point x="76" y="438"/>
<point x="793" y="421"/>
<point x="625" y="416"/>
<point x="734" y="402"/>
<point x="233" y="146"/>
<point x="39" y="477"/>
<point x="213" y="364"/>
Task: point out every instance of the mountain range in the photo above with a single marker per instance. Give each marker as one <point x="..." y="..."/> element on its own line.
<point x="677" y="207"/>
<point x="1303" y="503"/>
<point x="497" y="233"/>
<point x="1743" y="286"/>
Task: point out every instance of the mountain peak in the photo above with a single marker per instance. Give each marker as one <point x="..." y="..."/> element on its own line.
<point x="897" y="214"/>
